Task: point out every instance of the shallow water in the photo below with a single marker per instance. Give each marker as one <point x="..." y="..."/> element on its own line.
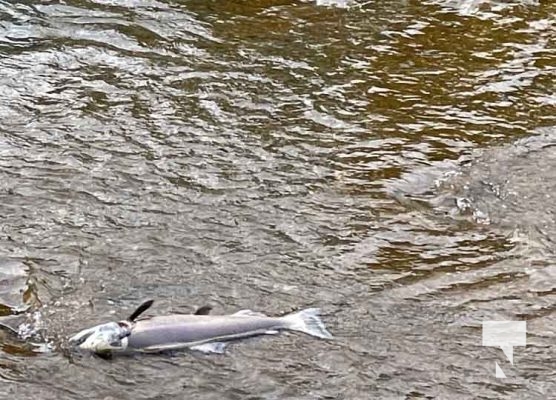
<point x="393" y="163"/>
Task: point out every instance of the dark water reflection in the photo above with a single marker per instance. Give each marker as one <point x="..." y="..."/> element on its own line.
<point x="391" y="162"/>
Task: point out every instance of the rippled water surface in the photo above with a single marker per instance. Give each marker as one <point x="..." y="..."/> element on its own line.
<point x="391" y="162"/>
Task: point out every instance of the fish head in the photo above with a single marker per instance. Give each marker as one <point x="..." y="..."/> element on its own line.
<point x="104" y="338"/>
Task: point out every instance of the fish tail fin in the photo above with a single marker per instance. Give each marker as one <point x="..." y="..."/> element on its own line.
<point x="307" y="321"/>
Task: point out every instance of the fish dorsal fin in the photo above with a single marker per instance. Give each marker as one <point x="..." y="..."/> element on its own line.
<point x="204" y="310"/>
<point x="140" y="310"/>
<point x="248" y="313"/>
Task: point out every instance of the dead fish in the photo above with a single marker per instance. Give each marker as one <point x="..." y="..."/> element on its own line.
<point x="200" y="331"/>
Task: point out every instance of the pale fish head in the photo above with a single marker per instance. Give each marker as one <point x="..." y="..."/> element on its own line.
<point x="104" y="338"/>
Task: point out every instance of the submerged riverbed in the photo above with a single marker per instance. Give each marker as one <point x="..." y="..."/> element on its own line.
<point x="393" y="163"/>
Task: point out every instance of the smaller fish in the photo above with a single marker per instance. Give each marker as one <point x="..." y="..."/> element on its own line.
<point x="199" y="331"/>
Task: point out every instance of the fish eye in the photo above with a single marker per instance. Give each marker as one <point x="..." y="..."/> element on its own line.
<point x="115" y="343"/>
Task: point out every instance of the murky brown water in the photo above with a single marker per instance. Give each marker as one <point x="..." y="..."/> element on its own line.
<point x="392" y="162"/>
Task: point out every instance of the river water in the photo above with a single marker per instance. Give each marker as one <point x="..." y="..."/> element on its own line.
<point x="391" y="162"/>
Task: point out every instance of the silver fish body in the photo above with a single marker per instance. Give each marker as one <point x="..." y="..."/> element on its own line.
<point x="208" y="333"/>
<point x="178" y="331"/>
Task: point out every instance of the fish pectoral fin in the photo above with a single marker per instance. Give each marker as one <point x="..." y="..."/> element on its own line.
<point x="140" y="310"/>
<point x="248" y="313"/>
<point x="204" y="310"/>
<point x="214" y="347"/>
